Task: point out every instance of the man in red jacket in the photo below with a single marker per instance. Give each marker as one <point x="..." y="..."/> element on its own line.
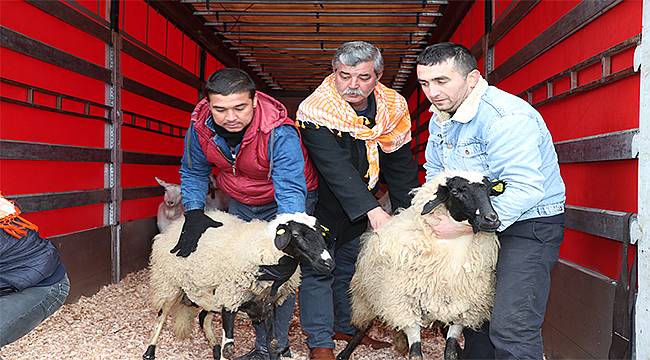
<point x="261" y="165"/>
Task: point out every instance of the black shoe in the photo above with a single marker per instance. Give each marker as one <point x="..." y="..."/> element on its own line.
<point x="262" y="354"/>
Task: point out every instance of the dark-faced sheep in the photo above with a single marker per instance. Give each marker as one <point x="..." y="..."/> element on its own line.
<point x="409" y="279"/>
<point x="247" y="266"/>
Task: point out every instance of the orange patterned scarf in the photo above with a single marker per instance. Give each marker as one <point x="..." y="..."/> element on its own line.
<point x="11" y="221"/>
<point x="325" y="107"/>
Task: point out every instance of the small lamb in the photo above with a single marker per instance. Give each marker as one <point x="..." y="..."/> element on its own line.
<point x="172" y="206"/>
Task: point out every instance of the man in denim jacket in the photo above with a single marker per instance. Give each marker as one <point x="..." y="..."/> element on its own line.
<point x="481" y="128"/>
<point x="261" y="164"/>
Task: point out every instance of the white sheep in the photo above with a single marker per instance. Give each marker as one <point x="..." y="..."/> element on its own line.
<point x="231" y="270"/>
<point x="409" y="279"/>
<point x="171" y="208"/>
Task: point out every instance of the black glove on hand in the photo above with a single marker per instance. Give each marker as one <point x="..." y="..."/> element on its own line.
<point x="281" y="271"/>
<point x="196" y="222"/>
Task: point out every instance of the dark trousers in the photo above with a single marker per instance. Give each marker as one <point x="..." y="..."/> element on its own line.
<point x="325" y="305"/>
<point x="284" y="312"/>
<point x="528" y="251"/>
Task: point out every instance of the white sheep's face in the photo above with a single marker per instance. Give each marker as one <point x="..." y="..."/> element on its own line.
<point x="466" y="200"/>
<point x="304" y="243"/>
<point x="172" y="193"/>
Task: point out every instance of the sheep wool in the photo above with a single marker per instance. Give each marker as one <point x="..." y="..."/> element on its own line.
<point x="405" y="276"/>
<point x="232" y="252"/>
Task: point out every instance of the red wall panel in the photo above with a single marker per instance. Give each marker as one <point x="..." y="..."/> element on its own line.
<point x="134" y="175"/>
<point x="601" y="34"/>
<point x="472" y="27"/>
<point x="500" y="6"/>
<point x="33" y="177"/>
<point x="543" y="15"/>
<point x="156" y="31"/>
<point x="30" y="21"/>
<point x="135" y="17"/>
<point x="594" y="112"/>
<point x="97" y="7"/>
<point x="138" y="71"/>
<point x="592" y="252"/>
<point x="190" y="55"/>
<point x="34" y="72"/>
<point x="610" y="185"/>
<point x="144" y="106"/>
<point x="212" y="65"/>
<point x="141" y="208"/>
<point x="174" y="51"/>
<point x="29" y="124"/>
<point x="148" y="142"/>
<point x="63" y="221"/>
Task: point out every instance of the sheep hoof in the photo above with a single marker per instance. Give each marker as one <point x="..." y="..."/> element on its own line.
<point x="228" y="351"/>
<point x="415" y="352"/>
<point x="452" y="349"/>
<point x="216" y="352"/>
<point x="150" y="354"/>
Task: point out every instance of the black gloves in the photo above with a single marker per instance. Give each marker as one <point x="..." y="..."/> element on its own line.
<point x="196" y="222"/>
<point x="281" y="271"/>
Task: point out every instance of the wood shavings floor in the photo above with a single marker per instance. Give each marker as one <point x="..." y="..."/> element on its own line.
<point x="116" y="324"/>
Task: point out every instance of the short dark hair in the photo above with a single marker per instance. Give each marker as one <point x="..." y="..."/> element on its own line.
<point x="438" y="53"/>
<point x="229" y="81"/>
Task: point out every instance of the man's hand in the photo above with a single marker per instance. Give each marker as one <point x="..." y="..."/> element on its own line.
<point x="196" y="222"/>
<point x="450" y="229"/>
<point x="378" y="217"/>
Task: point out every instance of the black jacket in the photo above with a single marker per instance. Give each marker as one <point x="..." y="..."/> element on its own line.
<point x="28" y="261"/>
<point x="343" y="195"/>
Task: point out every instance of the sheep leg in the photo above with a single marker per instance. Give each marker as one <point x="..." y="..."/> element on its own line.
<point x="354" y="342"/>
<point x="150" y="354"/>
<point x="271" y="341"/>
<point x="415" y="345"/>
<point x="205" y="320"/>
<point x="452" y="347"/>
<point x="227" y="338"/>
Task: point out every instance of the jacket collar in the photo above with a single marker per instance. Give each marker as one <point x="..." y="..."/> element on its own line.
<point x="468" y="109"/>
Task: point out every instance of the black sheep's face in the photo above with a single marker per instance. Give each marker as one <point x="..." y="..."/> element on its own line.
<point x="466" y="200"/>
<point x="304" y="243"/>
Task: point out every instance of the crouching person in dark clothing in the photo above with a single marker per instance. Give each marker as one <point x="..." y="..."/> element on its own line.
<point x="33" y="282"/>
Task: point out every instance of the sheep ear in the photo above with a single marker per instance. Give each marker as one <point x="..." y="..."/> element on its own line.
<point x="161" y="182"/>
<point x="498" y="187"/>
<point x="441" y="196"/>
<point x="282" y="237"/>
<point x="428" y="207"/>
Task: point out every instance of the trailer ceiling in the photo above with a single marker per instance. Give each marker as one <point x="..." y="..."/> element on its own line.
<point x="288" y="45"/>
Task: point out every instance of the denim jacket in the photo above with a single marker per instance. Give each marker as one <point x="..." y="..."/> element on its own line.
<point x="503" y="137"/>
<point x="290" y="189"/>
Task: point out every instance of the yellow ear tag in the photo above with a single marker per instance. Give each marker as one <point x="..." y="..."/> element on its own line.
<point x="324" y="228"/>
<point x="324" y="234"/>
<point x="280" y="232"/>
<point x="498" y="187"/>
<point x="317" y="126"/>
<point x="302" y="125"/>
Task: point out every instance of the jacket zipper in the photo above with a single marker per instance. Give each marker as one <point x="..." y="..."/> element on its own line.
<point x="232" y="163"/>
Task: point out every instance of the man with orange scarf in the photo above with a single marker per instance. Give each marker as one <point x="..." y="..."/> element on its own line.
<point x="355" y="130"/>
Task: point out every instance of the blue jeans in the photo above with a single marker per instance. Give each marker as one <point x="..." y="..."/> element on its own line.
<point x="22" y="311"/>
<point x="284" y="312"/>
<point x="529" y="249"/>
<point x="325" y="305"/>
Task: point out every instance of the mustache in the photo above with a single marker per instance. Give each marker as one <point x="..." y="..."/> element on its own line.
<point x="349" y="91"/>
